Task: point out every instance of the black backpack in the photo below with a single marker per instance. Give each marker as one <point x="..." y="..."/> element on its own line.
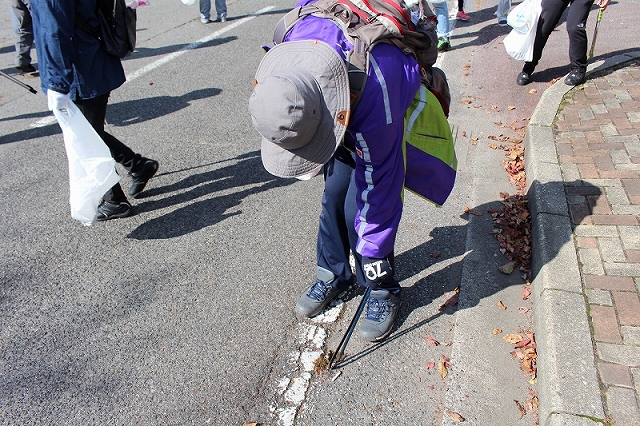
<point x="368" y="22"/>
<point x="117" y="31"/>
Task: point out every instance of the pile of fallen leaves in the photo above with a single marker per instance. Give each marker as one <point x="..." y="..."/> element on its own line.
<point x="525" y="352"/>
<point x="512" y="228"/>
<point x="514" y="165"/>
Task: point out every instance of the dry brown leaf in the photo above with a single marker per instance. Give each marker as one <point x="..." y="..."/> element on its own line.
<point x="464" y="134"/>
<point x="455" y="416"/>
<point x="474" y="212"/>
<point x="465" y="102"/>
<point x="525" y="293"/>
<point x="532" y="91"/>
<point x="442" y="369"/>
<point x="493" y="146"/>
<point x="512" y="338"/>
<point x="521" y="408"/>
<point x="511" y="107"/>
<point x="436" y="255"/>
<point x="508" y="268"/>
<point x="522" y="343"/>
<point x="453" y="300"/>
<point x="523" y="310"/>
<point x="496" y="331"/>
<point x="501" y="305"/>
<point x="432" y="341"/>
<point x="430" y="365"/>
<point x="251" y="424"/>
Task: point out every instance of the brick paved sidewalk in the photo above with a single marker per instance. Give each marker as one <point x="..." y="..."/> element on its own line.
<point x="597" y="133"/>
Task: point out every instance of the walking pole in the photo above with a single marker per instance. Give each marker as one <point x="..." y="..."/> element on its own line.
<point x="595" y="32"/>
<point x="18" y="82"/>
<point x="338" y="355"/>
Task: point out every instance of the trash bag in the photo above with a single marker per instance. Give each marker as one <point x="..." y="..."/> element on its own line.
<point x="91" y="168"/>
<point x="520" y="45"/>
<point x="525" y="16"/>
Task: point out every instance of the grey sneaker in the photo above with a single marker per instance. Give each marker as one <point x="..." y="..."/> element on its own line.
<point x="381" y="313"/>
<point x="316" y="297"/>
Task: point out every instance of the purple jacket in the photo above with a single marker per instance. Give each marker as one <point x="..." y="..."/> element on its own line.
<point x="375" y="133"/>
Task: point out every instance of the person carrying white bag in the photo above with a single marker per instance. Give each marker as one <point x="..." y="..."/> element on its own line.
<point x="550" y="14"/>
<point x="76" y="69"/>
<point x="524" y="21"/>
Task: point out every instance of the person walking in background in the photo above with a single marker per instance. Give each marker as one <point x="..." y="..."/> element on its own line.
<point x="461" y="15"/>
<point x="87" y="79"/>
<point x="444" y="27"/>
<point x="550" y="15"/>
<point x="504" y="6"/>
<point x="205" y="11"/>
<point x="23" y="29"/>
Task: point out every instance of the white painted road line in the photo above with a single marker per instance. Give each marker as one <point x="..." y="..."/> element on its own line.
<point x="46" y="121"/>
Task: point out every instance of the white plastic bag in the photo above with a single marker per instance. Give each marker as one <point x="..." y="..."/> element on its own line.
<point x="520" y="46"/>
<point x="524" y="20"/>
<point x="525" y="16"/>
<point x="91" y="168"/>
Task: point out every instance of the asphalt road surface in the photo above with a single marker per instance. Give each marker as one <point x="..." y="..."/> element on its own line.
<point x="183" y="313"/>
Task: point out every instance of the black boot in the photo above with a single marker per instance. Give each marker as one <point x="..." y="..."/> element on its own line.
<point x="111" y="210"/>
<point x="576" y="76"/>
<point x="140" y="178"/>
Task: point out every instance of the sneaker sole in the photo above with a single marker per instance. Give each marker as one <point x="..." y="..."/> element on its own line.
<point x="115" y="216"/>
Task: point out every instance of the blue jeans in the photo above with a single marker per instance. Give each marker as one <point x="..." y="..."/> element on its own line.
<point x="503" y="8"/>
<point x="205" y="9"/>
<point x="442" y="13"/>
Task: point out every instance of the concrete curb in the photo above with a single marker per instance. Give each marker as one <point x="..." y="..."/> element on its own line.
<point x="568" y="386"/>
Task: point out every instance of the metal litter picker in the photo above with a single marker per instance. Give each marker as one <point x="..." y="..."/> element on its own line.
<point x="338" y="355"/>
<point x="19" y="83"/>
<point x="595" y="32"/>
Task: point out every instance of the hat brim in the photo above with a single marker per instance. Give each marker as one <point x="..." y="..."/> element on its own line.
<point x="329" y="70"/>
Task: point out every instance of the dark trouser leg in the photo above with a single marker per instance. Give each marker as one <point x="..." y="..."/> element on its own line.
<point x="95" y="111"/>
<point x="23" y="29"/>
<point x="549" y="17"/>
<point x="576" y="28"/>
<point x="332" y="251"/>
<point x="336" y="233"/>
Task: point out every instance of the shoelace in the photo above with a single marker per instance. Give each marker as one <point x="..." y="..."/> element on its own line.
<point x="319" y="290"/>
<point x="376" y="309"/>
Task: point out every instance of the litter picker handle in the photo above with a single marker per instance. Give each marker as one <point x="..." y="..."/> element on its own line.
<point x="19" y="83"/>
<point x="595" y="32"/>
<point x="338" y="355"/>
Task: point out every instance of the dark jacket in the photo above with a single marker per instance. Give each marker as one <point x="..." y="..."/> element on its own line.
<point x="70" y="60"/>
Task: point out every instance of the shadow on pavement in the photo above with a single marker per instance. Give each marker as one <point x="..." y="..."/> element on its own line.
<point x="246" y="172"/>
<point x="139" y="110"/>
<point x="582" y="198"/>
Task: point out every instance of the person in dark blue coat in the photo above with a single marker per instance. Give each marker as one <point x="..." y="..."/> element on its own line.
<point x="74" y="67"/>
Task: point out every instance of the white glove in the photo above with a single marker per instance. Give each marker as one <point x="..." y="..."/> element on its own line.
<point x="57" y="100"/>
